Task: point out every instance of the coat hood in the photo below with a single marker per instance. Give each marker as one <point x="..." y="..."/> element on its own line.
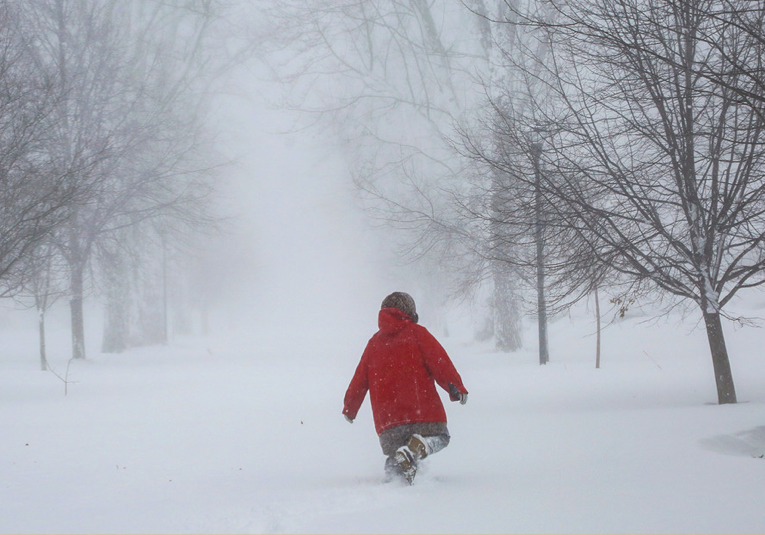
<point x="392" y="320"/>
<point x="404" y="302"/>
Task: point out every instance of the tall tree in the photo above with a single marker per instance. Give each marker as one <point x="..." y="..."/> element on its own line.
<point x="44" y="284"/>
<point x="658" y="160"/>
<point x="392" y="78"/>
<point x="508" y="90"/>
<point x="126" y="128"/>
<point x="35" y="195"/>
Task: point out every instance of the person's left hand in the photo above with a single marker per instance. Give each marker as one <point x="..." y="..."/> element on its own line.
<point x="456" y="395"/>
<point x="348" y="418"/>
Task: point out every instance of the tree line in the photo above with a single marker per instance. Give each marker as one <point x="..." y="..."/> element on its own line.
<point x="538" y="151"/>
<point x="105" y="163"/>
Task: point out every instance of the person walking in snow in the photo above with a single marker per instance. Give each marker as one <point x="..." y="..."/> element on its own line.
<point x="400" y="368"/>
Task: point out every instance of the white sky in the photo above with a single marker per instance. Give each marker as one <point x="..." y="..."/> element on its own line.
<point x="306" y="258"/>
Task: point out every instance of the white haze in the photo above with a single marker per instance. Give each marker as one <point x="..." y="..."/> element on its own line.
<point x="241" y="432"/>
<point x="299" y="255"/>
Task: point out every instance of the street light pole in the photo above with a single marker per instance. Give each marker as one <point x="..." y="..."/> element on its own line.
<point x="544" y="356"/>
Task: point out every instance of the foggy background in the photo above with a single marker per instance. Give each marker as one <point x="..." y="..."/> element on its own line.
<point x="276" y="168"/>
<point x="299" y="255"/>
<point x="279" y="167"/>
<point x="203" y="204"/>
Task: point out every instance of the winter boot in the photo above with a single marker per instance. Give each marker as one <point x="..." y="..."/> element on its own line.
<point x="408" y="456"/>
<point x="406" y="461"/>
<point x="392" y="469"/>
<point x="419" y="446"/>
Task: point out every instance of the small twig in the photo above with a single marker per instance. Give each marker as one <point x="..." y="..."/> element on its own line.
<point x="64" y="379"/>
<point x="649" y="356"/>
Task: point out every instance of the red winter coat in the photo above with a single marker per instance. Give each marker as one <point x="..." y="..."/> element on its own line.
<point x="399" y="367"/>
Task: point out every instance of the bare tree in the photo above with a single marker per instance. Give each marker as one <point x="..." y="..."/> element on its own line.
<point x="660" y="169"/>
<point x="44" y="283"/>
<point x="126" y="128"/>
<point x="35" y="197"/>
<point x="391" y="78"/>
<point x="515" y="214"/>
<point x="549" y="258"/>
<point x="133" y="272"/>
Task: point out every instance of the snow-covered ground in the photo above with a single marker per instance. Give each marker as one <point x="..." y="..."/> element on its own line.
<point x="243" y="434"/>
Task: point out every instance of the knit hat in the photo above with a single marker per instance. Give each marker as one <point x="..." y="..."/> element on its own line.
<point x="403" y="302"/>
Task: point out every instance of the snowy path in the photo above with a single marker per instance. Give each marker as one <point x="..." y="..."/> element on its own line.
<point x="205" y="438"/>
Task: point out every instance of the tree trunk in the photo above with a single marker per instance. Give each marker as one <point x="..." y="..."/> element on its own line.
<point x="41" y="327"/>
<point x="506" y="311"/>
<point x="597" y="322"/>
<point x="726" y="392"/>
<point x="507" y="316"/>
<point x="116" y="333"/>
<point x="78" y="319"/>
<point x="116" y="323"/>
<point x="165" y="321"/>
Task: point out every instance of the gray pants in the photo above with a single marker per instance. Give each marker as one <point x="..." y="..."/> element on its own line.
<point x="436" y="436"/>
<point x="395" y="437"/>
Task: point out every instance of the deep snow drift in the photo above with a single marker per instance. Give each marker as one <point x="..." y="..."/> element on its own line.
<point x="230" y="434"/>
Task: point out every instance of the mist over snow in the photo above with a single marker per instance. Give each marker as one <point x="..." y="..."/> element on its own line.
<point x="233" y="424"/>
<point x="302" y="261"/>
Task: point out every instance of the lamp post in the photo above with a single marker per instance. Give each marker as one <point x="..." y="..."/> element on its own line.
<point x="544" y="355"/>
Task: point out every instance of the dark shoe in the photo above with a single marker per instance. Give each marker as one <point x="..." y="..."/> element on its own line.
<point x="406" y="461"/>
<point x="418" y="447"/>
<point x="392" y="470"/>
